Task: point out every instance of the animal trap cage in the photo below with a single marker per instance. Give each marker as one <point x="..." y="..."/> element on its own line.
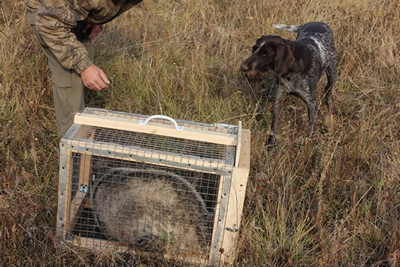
<point x="152" y="185"/>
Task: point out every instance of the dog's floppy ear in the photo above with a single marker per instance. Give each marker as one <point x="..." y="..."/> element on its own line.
<point x="284" y="58"/>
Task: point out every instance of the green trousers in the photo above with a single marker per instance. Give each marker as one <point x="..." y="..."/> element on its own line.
<point x="67" y="86"/>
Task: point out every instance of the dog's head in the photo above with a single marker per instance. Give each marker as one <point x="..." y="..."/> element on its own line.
<point x="269" y="53"/>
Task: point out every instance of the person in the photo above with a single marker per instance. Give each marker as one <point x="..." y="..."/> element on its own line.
<point x="65" y="30"/>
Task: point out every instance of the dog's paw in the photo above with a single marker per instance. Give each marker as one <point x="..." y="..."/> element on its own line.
<point x="272" y="143"/>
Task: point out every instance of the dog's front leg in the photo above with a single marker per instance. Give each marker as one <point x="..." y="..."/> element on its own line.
<point x="312" y="106"/>
<point x="312" y="112"/>
<point x="276" y="110"/>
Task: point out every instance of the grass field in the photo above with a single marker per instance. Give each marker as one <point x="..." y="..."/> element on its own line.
<point x="331" y="201"/>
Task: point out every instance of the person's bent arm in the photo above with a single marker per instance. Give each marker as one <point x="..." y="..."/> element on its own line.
<point x="54" y="24"/>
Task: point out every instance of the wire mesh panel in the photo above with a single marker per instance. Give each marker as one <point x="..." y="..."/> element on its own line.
<point x="132" y="186"/>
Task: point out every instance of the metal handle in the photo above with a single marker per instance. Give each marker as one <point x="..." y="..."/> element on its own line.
<point x="144" y="122"/>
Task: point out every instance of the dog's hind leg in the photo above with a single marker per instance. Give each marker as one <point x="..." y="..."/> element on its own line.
<point x="331" y="75"/>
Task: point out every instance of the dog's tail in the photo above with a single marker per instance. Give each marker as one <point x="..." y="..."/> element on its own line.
<point x="289" y="28"/>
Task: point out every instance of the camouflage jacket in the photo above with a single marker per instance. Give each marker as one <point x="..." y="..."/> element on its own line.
<point x="59" y="22"/>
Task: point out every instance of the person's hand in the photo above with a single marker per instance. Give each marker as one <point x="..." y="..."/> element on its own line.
<point x="95" y="30"/>
<point x="94" y="78"/>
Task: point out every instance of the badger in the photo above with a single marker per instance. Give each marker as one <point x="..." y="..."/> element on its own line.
<point x="151" y="209"/>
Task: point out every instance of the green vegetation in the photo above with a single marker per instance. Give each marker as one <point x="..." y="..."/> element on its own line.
<point x="331" y="201"/>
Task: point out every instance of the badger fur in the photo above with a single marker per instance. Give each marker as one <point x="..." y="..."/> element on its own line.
<point x="150" y="208"/>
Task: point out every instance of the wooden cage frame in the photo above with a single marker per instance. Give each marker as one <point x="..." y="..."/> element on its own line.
<point x="232" y="190"/>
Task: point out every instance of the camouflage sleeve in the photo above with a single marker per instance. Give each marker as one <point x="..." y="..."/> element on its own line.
<point x="55" y="20"/>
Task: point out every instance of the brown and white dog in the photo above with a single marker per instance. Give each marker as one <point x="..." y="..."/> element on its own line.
<point x="298" y="66"/>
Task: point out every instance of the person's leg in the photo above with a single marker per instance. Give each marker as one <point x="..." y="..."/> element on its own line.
<point x="68" y="88"/>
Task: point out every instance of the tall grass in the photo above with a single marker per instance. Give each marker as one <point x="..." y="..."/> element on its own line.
<point x="331" y="201"/>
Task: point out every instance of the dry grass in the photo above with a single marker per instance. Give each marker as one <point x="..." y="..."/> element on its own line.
<point x="332" y="201"/>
